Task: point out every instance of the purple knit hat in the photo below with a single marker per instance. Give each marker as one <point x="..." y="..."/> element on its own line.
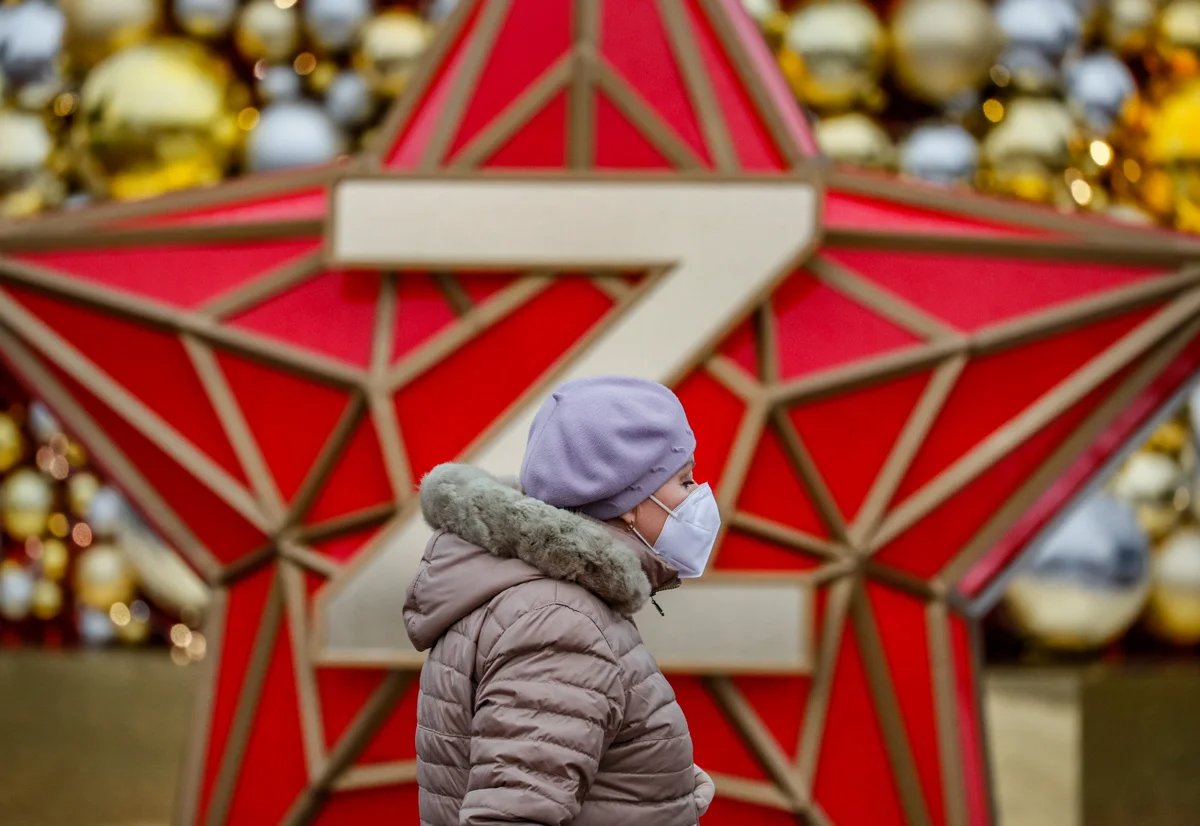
<point x="603" y="445"/>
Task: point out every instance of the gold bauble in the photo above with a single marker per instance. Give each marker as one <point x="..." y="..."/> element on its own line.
<point x="1173" y="613"/>
<point x="1026" y="153"/>
<point x="103" y="577"/>
<point x="134" y="632"/>
<point x="1156" y="486"/>
<point x="1171" y="154"/>
<point x="839" y="49"/>
<point x="98" y="28"/>
<point x="1177" y="36"/>
<point x="80" y="490"/>
<point x="27" y="497"/>
<point x="155" y="118"/>
<point x="47" y="599"/>
<point x="54" y="558"/>
<point x="856" y="139"/>
<point x="265" y="31"/>
<point x="12" y="443"/>
<point x="28" y="183"/>
<point x="1128" y="25"/>
<point x="942" y="49"/>
<point x="390" y="45"/>
<point x="1170" y="437"/>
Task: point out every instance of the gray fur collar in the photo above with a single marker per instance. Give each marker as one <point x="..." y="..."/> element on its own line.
<point x="486" y="512"/>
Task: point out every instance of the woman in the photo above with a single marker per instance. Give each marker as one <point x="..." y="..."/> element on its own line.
<point x="539" y="703"/>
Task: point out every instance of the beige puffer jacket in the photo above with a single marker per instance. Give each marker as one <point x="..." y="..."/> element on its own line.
<point x="539" y="703"/>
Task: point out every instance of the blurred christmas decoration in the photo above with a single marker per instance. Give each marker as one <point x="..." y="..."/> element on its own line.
<point x="944" y="49"/>
<point x="98" y="28"/>
<point x="389" y="46"/>
<point x="941" y="153"/>
<point x="1088" y="581"/>
<point x="293" y="133"/>
<point x="835" y="54"/>
<point x="855" y="138"/>
<point x="1173" y="613"/>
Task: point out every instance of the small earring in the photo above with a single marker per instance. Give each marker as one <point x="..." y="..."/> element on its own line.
<point x="629" y="527"/>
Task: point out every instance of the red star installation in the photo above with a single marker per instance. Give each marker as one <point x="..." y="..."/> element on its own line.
<point x="890" y="422"/>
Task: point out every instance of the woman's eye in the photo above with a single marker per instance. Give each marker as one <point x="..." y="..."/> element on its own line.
<point x="688" y="482"/>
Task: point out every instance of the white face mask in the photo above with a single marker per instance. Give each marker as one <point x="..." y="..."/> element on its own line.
<point x="687" y="538"/>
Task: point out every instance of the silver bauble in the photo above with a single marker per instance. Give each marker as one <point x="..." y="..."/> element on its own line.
<point x="941" y="153"/>
<point x="348" y="101"/>
<point x="1039" y="34"/>
<point x="279" y="83"/>
<point x="107" y="512"/>
<point x="1098" y="85"/>
<point x="42" y="422"/>
<point x="1088" y="580"/>
<point x="292" y="133"/>
<point x="435" y="11"/>
<point x="333" y="24"/>
<point x="31" y="39"/>
<point x="204" y="18"/>
<point x="16" y="591"/>
<point x="95" y="626"/>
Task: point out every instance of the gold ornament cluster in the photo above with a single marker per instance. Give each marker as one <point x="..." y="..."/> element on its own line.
<point x="122" y="99"/>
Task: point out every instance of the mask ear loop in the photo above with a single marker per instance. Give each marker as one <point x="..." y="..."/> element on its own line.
<point x="633" y="529"/>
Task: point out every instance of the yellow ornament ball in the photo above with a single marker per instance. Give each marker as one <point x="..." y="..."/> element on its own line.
<point x="26" y="498"/>
<point x="942" y="49"/>
<point x="1177" y="37"/>
<point x="1173" y="612"/>
<point x="28" y="182"/>
<point x="840" y="49"/>
<point x="103" y="577"/>
<point x="47" y="599"/>
<point x="54" y="558"/>
<point x="155" y="118"/>
<point x="12" y="443"/>
<point x="1128" y="25"/>
<point x="266" y="31"/>
<point x="1027" y="152"/>
<point x="856" y="139"/>
<point x="389" y="47"/>
<point x="98" y="28"/>
<point x="1171" y="155"/>
<point x="80" y="490"/>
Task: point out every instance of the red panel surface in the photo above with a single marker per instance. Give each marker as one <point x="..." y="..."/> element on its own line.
<point x="994" y="389"/>
<point x="159" y="272"/>
<point x="740" y="551"/>
<point x="306" y="205"/>
<point x="343" y="301"/>
<point x="822" y="328"/>
<point x="523" y="59"/>
<point x="421" y="312"/>
<point x="436" y="422"/>
<point x="246" y="599"/>
<point x="966" y="696"/>
<point x="161" y="376"/>
<point x="345" y="547"/>
<point x="850" y="435"/>
<point x="290" y="417"/>
<point x="720" y="749"/>
<point x="780" y="703"/>
<point x="634" y="41"/>
<point x="619" y="144"/>
<point x="343" y="693"/>
<point x="903" y="629"/>
<point x="396" y="738"/>
<point x="724" y="810"/>
<point x="774" y="491"/>
<point x="854" y="782"/>
<point x="742" y="348"/>
<point x="715" y="415"/>
<point x="539" y="144"/>
<point x="844" y="210"/>
<point x="359" y="481"/>
<point x="367" y="806"/>
<point x="972" y="292"/>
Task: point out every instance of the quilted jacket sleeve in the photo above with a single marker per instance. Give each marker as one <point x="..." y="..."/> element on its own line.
<point x="548" y="702"/>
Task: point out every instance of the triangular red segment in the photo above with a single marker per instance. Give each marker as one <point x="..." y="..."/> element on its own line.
<point x="742" y="347"/>
<point x="353" y="808"/>
<point x="515" y="61"/>
<point x="753" y="143"/>
<point x="851" y="435"/>
<point x="272" y="771"/>
<point x="436" y="429"/>
<point x="246" y="598"/>
<point x="393" y="740"/>
<point x="290" y="417"/>
<point x="184" y="275"/>
<point x="774" y="491"/>
<point x="824" y="329"/>
<point x="715" y="415"/>
<point x="904" y="632"/>
<point x="344" y="303"/>
<point x="634" y="41"/>
<point x="619" y="144"/>
<point x="224" y="531"/>
<point x="780" y="703"/>
<point x="845" y="210"/>
<point x="972" y="291"/>
<point x="741" y="551"/>
<point x="935" y="539"/>
<point x="306" y="205"/>
<point x="995" y="388"/>
<point x="422" y="311"/>
<point x="180" y="402"/>
<point x="343" y="693"/>
<point x="483" y="286"/>
<point x="359" y="480"/>
<point x="852" y="745"/>
<point x="540" y="143"/>
<point x="721" y="749"/>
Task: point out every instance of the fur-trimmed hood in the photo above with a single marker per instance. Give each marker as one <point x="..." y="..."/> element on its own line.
<point x="509" y="538"/>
